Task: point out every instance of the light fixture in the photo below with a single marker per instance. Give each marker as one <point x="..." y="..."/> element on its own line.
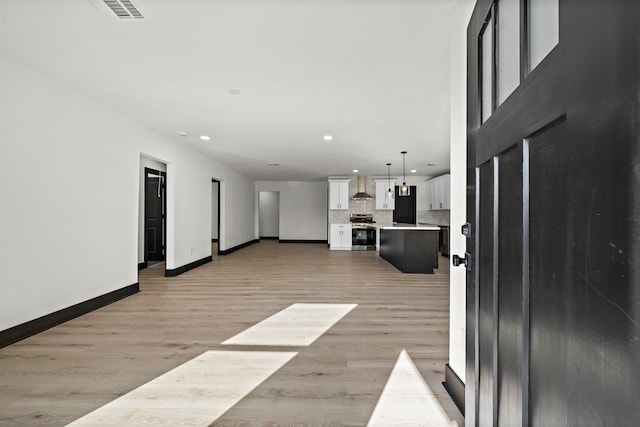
<point x="183" y="133"/>
<point x="413" y="171"/>
<point x="356" y="171"/>
<point x="205" y="137"/>
<point x="327" y="137"/>
<point x="404" y="190"/>
<point x="390" y="191"/>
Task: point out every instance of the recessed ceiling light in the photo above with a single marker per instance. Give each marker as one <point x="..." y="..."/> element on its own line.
<point x="356" y="171"/>
<point x="413" y="171"/>
<point x="234" y="91"/>
<point x="205" y="137"/>
<point x="327" y="137"/>
<point x="182" y="133"/>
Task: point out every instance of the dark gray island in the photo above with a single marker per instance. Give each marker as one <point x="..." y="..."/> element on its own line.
<point x="410" y="248"/>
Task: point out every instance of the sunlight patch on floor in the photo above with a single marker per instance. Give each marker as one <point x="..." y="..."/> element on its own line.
<point x="296" y="325"/>
<point x="195" y="393"/>
<point x="407" y="400"/>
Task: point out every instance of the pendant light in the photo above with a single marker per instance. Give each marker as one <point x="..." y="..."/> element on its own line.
<point x="404" y="190"/>
<point x="390" y="191"/>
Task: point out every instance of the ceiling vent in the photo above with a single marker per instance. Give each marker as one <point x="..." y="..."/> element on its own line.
<point x="124" y="9"/>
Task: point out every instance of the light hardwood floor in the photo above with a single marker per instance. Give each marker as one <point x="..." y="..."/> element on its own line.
<point x="66" y="372"/>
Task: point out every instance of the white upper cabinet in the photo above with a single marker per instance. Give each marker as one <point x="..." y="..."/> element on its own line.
<point x="438" y="196"/>
<point x="339" y="194"/>
<point x="382" y="189"/>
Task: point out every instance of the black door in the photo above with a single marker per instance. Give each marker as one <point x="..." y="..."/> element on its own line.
<point x="154" y="217"/>
<point x="405" y="206"/>
<point x="553" y="287"/>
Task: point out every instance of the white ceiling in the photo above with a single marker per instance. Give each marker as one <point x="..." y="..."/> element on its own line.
<point x="372" y="73"/>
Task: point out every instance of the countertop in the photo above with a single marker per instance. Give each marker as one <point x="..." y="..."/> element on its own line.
<point x="401" y="226"/>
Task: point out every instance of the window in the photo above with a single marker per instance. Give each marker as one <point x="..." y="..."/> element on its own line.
<point x="486" y="69"/>
<point x="544" y="29"/>
<point x="507" y="48"/>
<point x="502" y="57"/>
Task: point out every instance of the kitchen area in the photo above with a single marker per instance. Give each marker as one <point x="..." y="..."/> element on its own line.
<point x="409" y="231"/>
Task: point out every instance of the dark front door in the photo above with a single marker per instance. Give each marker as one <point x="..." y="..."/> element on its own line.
<point x="553" y="287"/>
<point x="405" y="206"/>
<point x="154" y="216"/>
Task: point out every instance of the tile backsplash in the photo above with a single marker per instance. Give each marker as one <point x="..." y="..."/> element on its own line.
<point x="342" y="217"/>
<point x="338" y="217"/>
<point x="440" y="217"/>
<point x="361" y="206"/>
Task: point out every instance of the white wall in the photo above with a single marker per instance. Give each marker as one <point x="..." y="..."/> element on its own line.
<point x="303" y="208"/>
<point x="70" y="197"/>
<point x="145" y="162"/>
<point x="238" y="210"/>
<point x="460" y="19"/>
<point x="269" y="211"/>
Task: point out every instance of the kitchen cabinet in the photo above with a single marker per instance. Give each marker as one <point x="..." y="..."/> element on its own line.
<point x="410" y="249"/>
<point x="382" y="188"/>
<point x="339" y="194"/>
<point x="341" y="237"/>
<point x="443" y="241"/>
<point x="438" y="196"/>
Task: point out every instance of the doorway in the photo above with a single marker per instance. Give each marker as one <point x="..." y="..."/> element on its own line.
<point x="269" y="214"/>
<point x="215" y="217"/>
<point x="405" y="208"/>
<point x="154" y="216"/>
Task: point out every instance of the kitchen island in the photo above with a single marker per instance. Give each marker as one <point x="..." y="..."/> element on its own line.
<point x="410" y="248"/>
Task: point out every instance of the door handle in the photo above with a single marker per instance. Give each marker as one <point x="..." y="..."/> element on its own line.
<point x="466" y="230"/>
<point x="458" y="261"/>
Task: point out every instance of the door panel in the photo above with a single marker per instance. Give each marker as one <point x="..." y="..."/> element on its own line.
<point x="500" y="259"/>
<point x="405" y="206"/>
<point x="509" y="299"/>
<point x="486" y="284"/>
<point x="551" y="237"/>
<point x="154" y="215"/>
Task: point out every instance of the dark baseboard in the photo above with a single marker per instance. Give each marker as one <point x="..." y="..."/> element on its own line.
<point x="27" y="329"/>
<point x="268" y="237"/>
<point x="454" y="386"/>
<point x="214" y="240"/>
<point x="235" y="248"/>
<point x="301" y="241"/>
<point x="178" y="271"/>
<point x="143" y="265"/>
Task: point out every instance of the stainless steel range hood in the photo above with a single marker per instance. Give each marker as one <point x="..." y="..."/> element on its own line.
<point x="362" y="190"/>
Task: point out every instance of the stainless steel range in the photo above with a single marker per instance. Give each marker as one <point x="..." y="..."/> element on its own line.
<point x="363" y="233"/>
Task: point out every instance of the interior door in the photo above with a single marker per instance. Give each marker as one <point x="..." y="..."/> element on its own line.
<point x="154" y="218"/>
<point x="405" y="206"/>
<point x="553" y="294"/>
